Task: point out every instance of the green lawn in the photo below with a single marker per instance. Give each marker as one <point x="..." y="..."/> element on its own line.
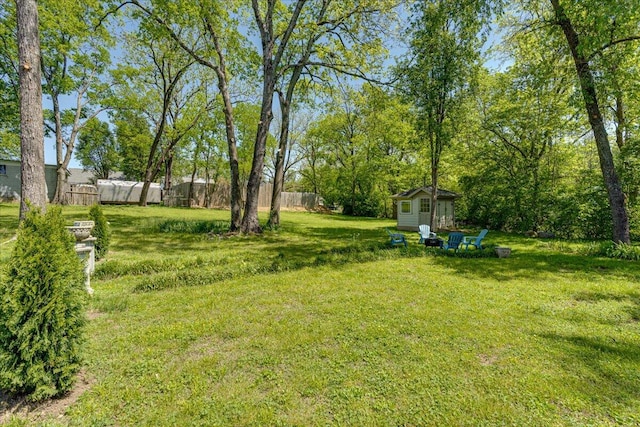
<point x="319" y="323"/>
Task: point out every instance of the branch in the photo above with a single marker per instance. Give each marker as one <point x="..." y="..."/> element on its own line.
<point x="611" y="44"/>
<point x="342" y="69"/>
<point x="506" y="141"/>
<point x="173" y="35"/>
<point x="109" y="13"/>
<point x="287" y="34"/>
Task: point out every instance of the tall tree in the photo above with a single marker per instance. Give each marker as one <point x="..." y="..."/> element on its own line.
<point x="357" y="149"/>
<point x="275" y="24"/>
<point x="75" y="58"/>
<point x="133" y="139"/>
<point x="158" y="79"/>
<point x="583" y="51"/>
<point x="97" y="150"/>
<point x="207" y="30"/>
<point x="344" y="36"/>
<point x="33" y="189"/>
<point x="445" y="53"/>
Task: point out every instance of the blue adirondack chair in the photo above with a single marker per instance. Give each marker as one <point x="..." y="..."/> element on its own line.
<point x="397" y="238"/>
<point x="475" y="241"/>
<point x="453" y="241"/>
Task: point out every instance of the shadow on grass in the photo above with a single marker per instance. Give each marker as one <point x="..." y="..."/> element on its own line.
<point x="530" y="265"/>
<point x="338" y="240"/>
<point x="611" y="364"/>
<point x="632" y="298"/>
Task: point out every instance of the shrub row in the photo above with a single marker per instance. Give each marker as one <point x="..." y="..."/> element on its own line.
<point x="192" y="227"/>
<point x="168" y="278"/>
<point x="115" y="269"/>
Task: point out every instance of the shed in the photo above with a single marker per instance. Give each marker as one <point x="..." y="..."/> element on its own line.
<point x="414" y="208"/>
<point x="10" y="180"/>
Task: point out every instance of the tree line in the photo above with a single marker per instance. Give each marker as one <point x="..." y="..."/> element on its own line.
<point x="307" y="95"/>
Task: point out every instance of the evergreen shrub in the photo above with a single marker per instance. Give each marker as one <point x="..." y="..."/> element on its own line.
<point x="101" y="231"/>
<point x="41" y="310"/>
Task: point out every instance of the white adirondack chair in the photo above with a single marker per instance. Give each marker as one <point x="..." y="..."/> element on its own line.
<point x="425" y="233"/>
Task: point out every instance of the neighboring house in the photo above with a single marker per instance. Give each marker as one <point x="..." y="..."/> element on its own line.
<point x="10" y="183"/>
<point x="82" y="176"/>
<point x="414" y="208"/>
<point x="119" y="192"/>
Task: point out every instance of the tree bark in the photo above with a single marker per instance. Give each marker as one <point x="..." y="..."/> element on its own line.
<point x="620" y="217"/>
<point x="33" y="184"/>
<point x="434" y="198"/>
<point x="250" y="223"/>
<point x="620" y="121"/>
<point x="278" y="176"/>
<point x="168" y="171"/>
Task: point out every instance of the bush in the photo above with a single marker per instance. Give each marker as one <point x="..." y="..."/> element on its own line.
<point x="41" y="310"/>
<point x="620" y="251"/>
<point x="614" y="250"/>
<point x="192" y="227"/>
<point x="101" y="231"/>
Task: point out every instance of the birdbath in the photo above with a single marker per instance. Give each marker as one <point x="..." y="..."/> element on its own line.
<point x="85" y="248"/>
<point x="81" y="229"/>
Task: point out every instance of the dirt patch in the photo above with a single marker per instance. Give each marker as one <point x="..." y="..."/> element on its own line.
<point x="488" y="359"/>
<point x="93" y="314"/>
<point x="49" y="409"/>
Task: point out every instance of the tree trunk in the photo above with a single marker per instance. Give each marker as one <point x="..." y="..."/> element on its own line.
<point x="278" y="178"/>
<point x="236" y="191"/>
<point x="62" y="186"/>
<point x="33" y="184"/>
<point x="193" y="177"/>
<point x="61" y="175"/>
<point x="434" y="198"/>
<point x="620" y="217"/>
<point x="283" y="147"/>
<point x="168" y="171"/>
<point x="281" y="155"/>
<point x="250" y="223"/>
<point x="620" y="121"/>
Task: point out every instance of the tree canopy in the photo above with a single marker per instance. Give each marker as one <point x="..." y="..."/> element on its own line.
<point x="528" y="109"/>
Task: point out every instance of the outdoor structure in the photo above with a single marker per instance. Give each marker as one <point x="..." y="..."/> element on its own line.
<point x="414" y="208"/>
<point x="203" y="195"/>
<point x="218" y="195"/>
<point x="126" y="192"/>
<point x="10" y="182"/>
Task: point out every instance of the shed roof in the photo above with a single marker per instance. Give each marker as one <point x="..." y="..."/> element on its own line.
<point x="410" y="194"/>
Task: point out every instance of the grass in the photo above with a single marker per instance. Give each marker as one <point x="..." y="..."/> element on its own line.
<point x="320" y="323"/>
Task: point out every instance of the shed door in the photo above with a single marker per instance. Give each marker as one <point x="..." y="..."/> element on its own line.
<point x="424" y="212"/>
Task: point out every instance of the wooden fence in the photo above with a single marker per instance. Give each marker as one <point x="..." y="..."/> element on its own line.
<point x="82" y="195"/>
<point x="218" y="196"/>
